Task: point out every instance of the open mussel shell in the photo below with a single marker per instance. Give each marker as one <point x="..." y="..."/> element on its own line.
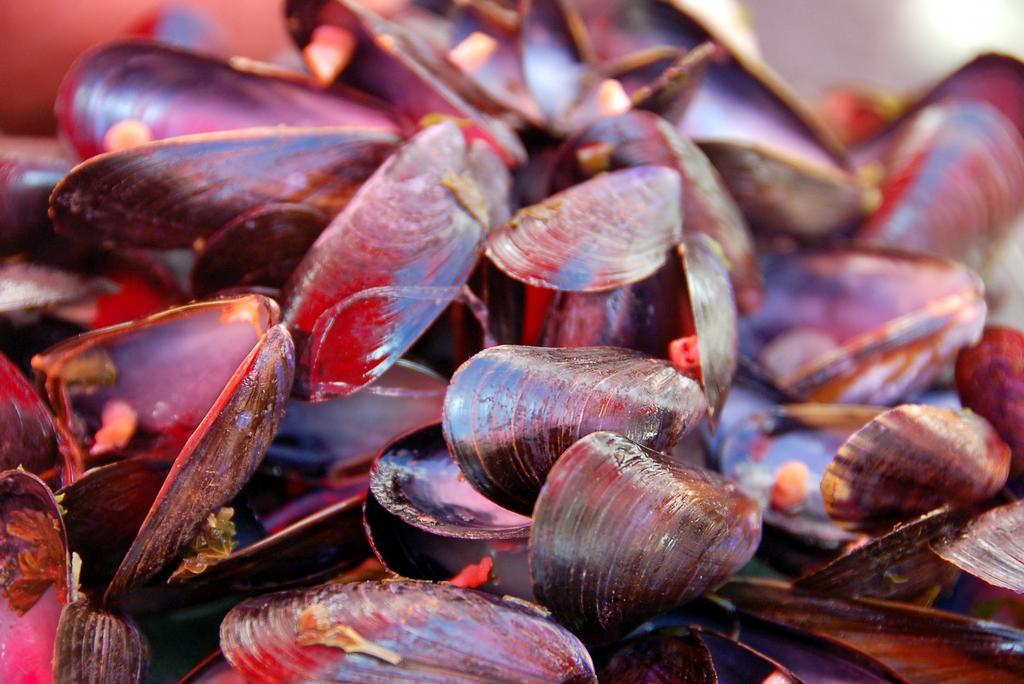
<point x="714" y="318"/>
<point x="36" y="576"/>
<point x="170" y="193"/>
<point x="311" y="549"/>
<point x="784" y="167"/>
<point x="920" y="644"/>
<point x="216" y="462"/>
<point x="663" y="80"/>
<point x="609" y="231"/>
<point x="419" y="81"/>
<point x="425" y="521"/>
<point x="637" y="138"/>
<point x="156" y="378"/>
<point x="213" y="669"/>
<point x="954" y="184"/>
<point x="27" y="434"/>
<point x="398" y="630"/>
<point x="29" y="168"/>
<point x="340" y="437"/>
<point x="174" y="92"/>
<point x="610" y="506"/>
<point x="898" y="565"/>
<point x="105" y="509"/>
<point x="95" y="646"/>
<point x="859" y="324"/>
<point x="511" y="411"/>
<point x="911" y="459"/>
<point x="989" y="547"/>
<point x="990" y="381"/>
<point x="762" y="449"/>
<point x="418" y="221"/>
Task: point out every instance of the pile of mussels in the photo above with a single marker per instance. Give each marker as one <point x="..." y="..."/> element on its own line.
<point x="531" y="342"/>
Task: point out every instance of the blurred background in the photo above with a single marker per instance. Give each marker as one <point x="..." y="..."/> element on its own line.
<point x="894" y="45"/>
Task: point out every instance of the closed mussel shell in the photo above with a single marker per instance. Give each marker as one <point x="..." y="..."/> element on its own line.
<point x="622" y="533"/>
<point x="911" y="459"/>
<point x="511" y="411"/>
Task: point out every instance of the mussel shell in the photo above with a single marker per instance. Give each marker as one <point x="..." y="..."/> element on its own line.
<point x="511" y="411"/>
<point x="899" y="565"/>
<point x="434" y="632"/>
<point x="990" y="381"/>
<point x="425" y="521"/>
<point x="609" y="507"/>
<point x="713" y="311"/>
<point x="910" y="460"/>
<point x="753" y="451"/>
<point x="954" y="184"/>
<point x="408" y="225"/>
<point x="105" y="509"/>
<point x="27" y="434"/>
<point x="216" y="462"/>
<point x="95" y="647"/>
<point x="638" y="138"/>
<point x="169" y="368"/>
<point x="170" y="193"/>
<point x="859" y="324"/>
<point x="660" y="658"/>
<point x="610" y="231"/>
<point x="213" y="669"/>
<point x="989" y="547"/>
<point x="177" y="92"/>
<point x="920" y="644"/>
<point x="29" y="168"/>
<point x="261" y="246"/>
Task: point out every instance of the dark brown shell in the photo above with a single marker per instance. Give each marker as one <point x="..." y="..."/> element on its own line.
<point x="911" y="459"/>
<point x="511" y="411"/>
<point x="27" y="434"/>
<point x="170" y="193"/>
<point x="218" y="459"/>
<point x="922" y="645"/>
<point x="29" y="168"/>
<point x="420" y="632"/>
<point x="609" y="507"/>
<point x="898" y="565"/>
<point x="96" y="647"/>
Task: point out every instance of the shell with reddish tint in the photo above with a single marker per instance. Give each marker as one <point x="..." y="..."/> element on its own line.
<point x="27" y="434"/>
<point x="859" y="324"/>
<point x="912" y="459"/>
<point x="398" y="630"/>
<point x="990" y="381"/>
<point x="170" y="193"/>
<point x="622" y="533"/>
<point x="954" y="184"/>
<point x="426" y="522"/>
<point x="176" y="92"/>
<point x="387" y="266"/>
<point x="603" y="233"/>
<point x="511" y="411"/>
<point x="167" y="370"/>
